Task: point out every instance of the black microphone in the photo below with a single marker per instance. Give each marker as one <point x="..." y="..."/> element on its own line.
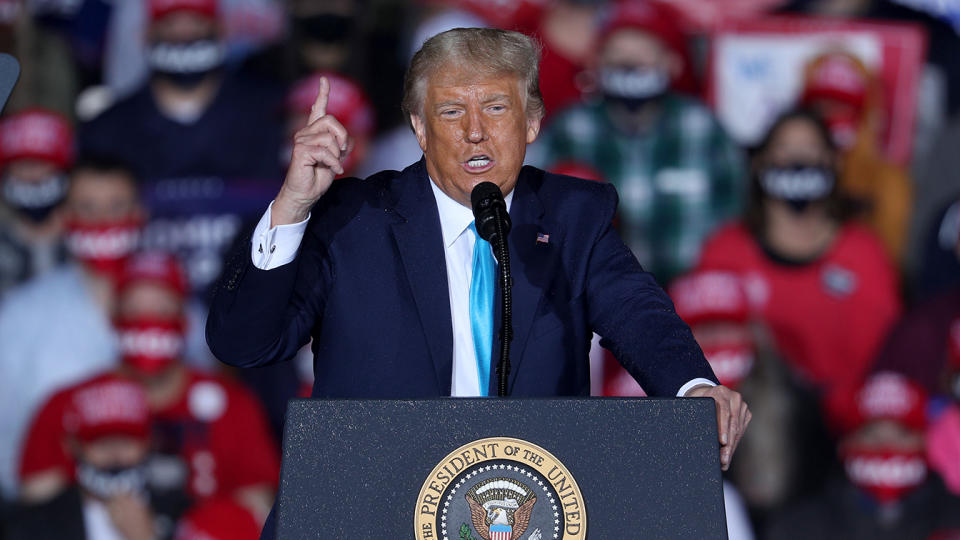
<point x="9" y="73"/>
<point x="488" y="208"/>
<point x="493" y="223"/>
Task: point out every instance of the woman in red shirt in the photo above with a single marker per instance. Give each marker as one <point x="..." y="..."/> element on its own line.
<point x="823" y="284"/>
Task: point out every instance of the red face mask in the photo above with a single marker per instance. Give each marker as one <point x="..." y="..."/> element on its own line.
<point x="886" y="474"/>
<point x="150" y="345"/>
<point x="731" y="362"/>
<point x="103" y="246"/>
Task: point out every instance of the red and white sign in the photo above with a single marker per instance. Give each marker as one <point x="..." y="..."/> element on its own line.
<point x="756" y="71"/>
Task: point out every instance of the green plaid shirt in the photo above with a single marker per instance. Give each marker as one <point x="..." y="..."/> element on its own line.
<point x="676" y="182"/>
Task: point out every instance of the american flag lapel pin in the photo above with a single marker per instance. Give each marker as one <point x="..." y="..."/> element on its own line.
<point x="543" y="238"/>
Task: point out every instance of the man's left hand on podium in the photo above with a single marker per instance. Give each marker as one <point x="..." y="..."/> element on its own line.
<point x="733" y="416"/>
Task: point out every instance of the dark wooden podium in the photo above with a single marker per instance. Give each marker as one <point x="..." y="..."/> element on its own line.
<point x="519" y="469"/>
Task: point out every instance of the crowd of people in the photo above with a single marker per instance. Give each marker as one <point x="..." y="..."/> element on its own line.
<point x="818" y="269"/>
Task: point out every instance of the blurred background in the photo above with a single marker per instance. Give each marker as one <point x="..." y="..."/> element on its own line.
<point x="788" y="170"/>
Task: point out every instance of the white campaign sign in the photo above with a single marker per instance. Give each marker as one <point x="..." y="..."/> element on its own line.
<point x="758" y="76"/>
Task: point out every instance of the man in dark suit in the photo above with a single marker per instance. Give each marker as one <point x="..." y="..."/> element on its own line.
<point x="380" y="273"/>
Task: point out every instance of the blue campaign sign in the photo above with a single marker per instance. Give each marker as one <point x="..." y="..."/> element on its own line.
<point x="199" y="218"/>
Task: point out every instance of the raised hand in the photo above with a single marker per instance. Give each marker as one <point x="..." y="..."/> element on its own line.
<point x="318" y="153"/>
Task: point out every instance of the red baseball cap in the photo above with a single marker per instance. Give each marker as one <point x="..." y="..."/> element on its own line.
<point x="711" y="295"/>
<point x="218" y="519"/>
<point x="39" y="134"/>
<point x="646" y="16"/>
<point x="347" y="103"/>
<point x="155" y="266"/>
<point x="108" y="406"/>
<point x="885" y="395"/>
<point x="836" y="75"/>
<point x="161" y="8"/>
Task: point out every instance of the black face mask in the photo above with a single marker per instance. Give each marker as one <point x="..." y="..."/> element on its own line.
<point x="35" y="200"/>
<point x="633" y="87"/>
<point x="186" y="64"/>
<point x="797" y="185"/>
<point x="110" y="482"/>
<point x="325" y="27"/>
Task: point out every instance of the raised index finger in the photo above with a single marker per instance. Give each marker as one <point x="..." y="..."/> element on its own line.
<point x="319" y="108"/>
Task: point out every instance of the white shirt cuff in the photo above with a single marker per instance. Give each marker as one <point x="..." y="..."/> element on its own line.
<point x="272" y="248"/>
<point x="693" y="382"/>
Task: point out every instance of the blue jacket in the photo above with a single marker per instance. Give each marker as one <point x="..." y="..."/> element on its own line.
<point x="369" y="286"/>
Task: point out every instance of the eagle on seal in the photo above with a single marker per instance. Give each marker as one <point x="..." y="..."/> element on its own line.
<point x="500" y="509"/>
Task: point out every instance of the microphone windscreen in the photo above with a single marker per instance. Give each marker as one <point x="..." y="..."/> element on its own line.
<point x="486" y="199"/>
<point x="9" y="73"/>
<point x="484" y="193"/>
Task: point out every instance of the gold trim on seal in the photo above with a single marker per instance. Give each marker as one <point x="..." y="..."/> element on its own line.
<point x="497" y="449"/>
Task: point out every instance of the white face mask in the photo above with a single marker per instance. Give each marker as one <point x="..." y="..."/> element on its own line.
<point x="633" y="86"/>
<point x="186" y="64"/>
<point x="887" y="474"/>
<point x="798" y="185"/>
<point x="35" y="200"/>
<point x="108" y="483"/>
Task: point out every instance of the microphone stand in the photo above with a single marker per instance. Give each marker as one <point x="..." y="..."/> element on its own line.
<point x="506" y="307"/>
<point x="488" y="205"/>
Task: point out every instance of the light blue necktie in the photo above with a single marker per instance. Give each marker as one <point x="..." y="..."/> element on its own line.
<point x="481" y="306"/>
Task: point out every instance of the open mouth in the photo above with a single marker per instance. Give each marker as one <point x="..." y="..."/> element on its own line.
<point x="478" y="163"/>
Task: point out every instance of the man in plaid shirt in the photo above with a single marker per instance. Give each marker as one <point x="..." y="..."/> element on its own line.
<point x="677" y="172"/>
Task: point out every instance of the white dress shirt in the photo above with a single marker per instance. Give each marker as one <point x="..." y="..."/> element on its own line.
<point x="458" y="243"/>
<point x="271" y="248"/>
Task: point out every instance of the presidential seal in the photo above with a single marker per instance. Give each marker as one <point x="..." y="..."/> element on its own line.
<point x="500" y="489"/>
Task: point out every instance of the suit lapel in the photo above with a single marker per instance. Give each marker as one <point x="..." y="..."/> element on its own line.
<point x="530" y="263"/>
<point x="420" y="244"/>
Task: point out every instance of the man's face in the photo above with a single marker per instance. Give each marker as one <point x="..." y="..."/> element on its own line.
<point x="474" y="129"/>
<point x="883" y="434"/>
<point x="32" y="170"/>
<point x="113" y="451"/>
<point x="149" y="299"/>
<point x="324" y="30"/>
<point x="797" y="142"/>
<point x="638" y="49"/>
<point x="183" y="27"/>
<point x="101" y="197"/>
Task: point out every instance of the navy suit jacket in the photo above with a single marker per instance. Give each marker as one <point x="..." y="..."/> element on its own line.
<point x="369" y="285"/>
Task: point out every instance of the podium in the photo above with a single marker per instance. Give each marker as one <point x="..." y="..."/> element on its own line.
<point x="501" y="469"/>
